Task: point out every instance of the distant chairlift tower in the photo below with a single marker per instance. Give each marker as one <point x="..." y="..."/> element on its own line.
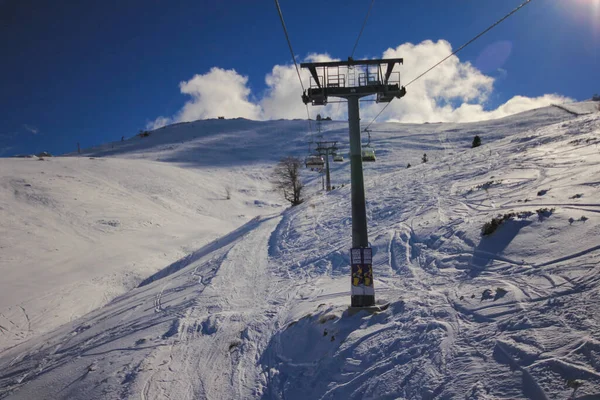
<point x="327" y="149"/>
<point x="352" y="80"/>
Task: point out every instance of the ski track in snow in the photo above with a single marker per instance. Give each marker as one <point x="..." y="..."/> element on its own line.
<point x="262" y="312"/>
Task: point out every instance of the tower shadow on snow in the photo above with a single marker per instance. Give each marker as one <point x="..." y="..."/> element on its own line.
<point x="492" y="245"/>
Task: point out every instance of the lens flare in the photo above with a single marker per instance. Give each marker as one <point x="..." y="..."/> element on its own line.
<point x="588" y="10"/>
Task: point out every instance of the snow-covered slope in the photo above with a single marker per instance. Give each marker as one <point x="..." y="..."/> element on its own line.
<point x="261" y="311"/>
<point x="77" y="232"/>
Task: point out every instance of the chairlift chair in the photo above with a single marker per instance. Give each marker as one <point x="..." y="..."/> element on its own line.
<point x="314" y="161"/>
<point x="368" y="153"/>
<point x="338" y="158"/>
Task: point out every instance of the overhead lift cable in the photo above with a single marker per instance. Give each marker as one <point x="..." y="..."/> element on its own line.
<point x="287" y="37"/>
<point x="455" y="52"/>
<point x="361" y="29"/>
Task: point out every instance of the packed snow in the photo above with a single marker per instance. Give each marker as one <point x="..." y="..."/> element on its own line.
<point x="128" y="273"/>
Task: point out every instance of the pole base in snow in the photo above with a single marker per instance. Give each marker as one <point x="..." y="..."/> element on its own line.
<point x="370" y="309"/>
<point x="362" y="301"/>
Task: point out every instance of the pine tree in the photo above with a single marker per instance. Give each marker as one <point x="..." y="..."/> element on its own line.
<point x="476" y="141"/>
<point x="424" y="159"/>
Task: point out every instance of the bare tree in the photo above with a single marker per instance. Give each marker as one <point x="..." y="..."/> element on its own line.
<point x="228" y="192"/>
<point x="286" y="178"/>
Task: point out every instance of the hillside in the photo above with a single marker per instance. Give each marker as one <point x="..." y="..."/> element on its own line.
<point x="77" y="232"/>
<point x="261" y="312"/>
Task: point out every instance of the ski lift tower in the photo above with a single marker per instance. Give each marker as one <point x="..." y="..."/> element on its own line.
<point x="352" y="80"/>
<point x="327" y="149"/>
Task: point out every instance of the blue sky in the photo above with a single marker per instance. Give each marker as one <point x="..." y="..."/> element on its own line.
<point x="94" y="71"/>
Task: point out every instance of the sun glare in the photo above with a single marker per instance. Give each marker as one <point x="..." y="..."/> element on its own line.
<point x="585" y="12"/>
<point x="591" y="6"/>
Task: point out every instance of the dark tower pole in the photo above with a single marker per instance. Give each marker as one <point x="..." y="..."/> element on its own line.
<point x="360" y="237"/>
<point x="339" y="79"/>
<point x="327" y="149"/>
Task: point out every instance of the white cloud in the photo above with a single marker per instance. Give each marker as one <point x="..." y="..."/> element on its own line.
<point x="31" y="129"/>
<point x="454" y="91"/>
<point x="282" y="98"/>
<point x="475" y="112"/>
<point x="217" y="93"/>
<point x="159" y="122"/>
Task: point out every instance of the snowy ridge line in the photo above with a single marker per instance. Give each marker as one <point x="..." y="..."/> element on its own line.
<point x="223" y="326"/>
<point x="566" y="108"/>
<point x="568" y="257"/>
<point x="206" y="250"/>
<point x="562" y="107"/>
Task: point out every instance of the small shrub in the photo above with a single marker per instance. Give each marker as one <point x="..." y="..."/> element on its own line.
<point x="490" y="227"/>
<point x="582" y="219"/>
<point x="500" y="292"/>
<point x="488" y="184"/>
<point x="523" y="214"/>
<point x="476" y="141"/>
<point x="542" y="192"/>
<point x="408" y="165"/>
<point x="577" y="196"/>
<point x="486" y="294"/>
<point x="327" y="317"/>
<point x="573" y="383"/>
<point x="544" y="212"/>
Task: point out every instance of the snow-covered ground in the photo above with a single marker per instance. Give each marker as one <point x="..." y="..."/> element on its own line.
<point x="244" y="299"/>
<point x="75" y="232"/>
